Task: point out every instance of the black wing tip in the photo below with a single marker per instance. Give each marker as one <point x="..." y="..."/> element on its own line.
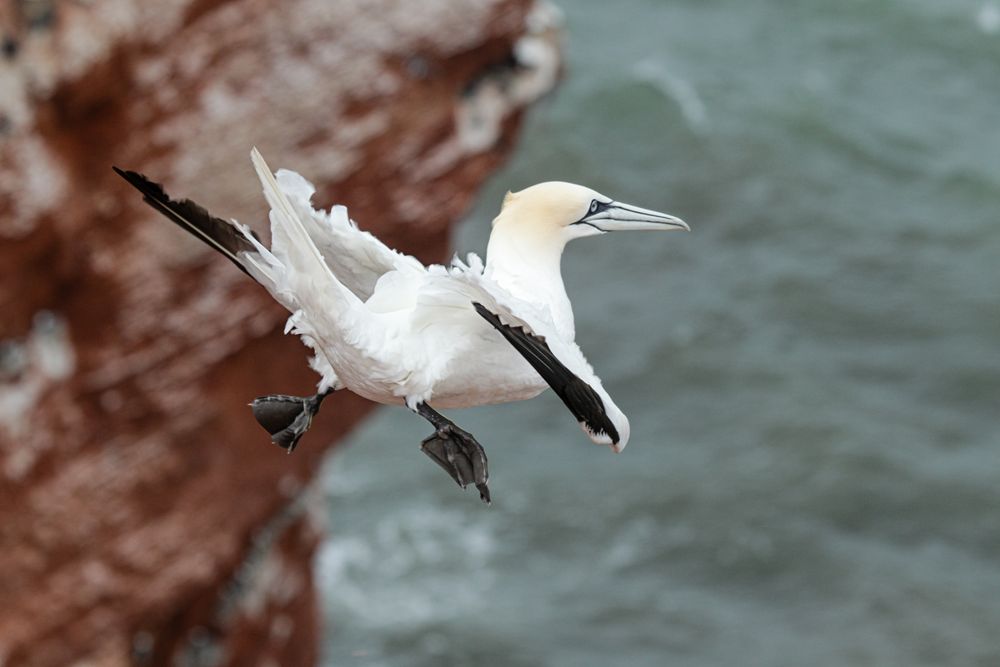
<point x="589" y="409"/>
<point x="129" y="175"/>
<point x="581" y="399"/>
<point x="192" y="217"/>
<point x="150" y="189"/>
<point x="607" y="430"/>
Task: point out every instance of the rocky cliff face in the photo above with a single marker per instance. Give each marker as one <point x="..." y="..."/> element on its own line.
<point x="144" y="517"/>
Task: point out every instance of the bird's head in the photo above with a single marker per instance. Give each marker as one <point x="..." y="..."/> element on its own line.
<point x="565" y="211"/>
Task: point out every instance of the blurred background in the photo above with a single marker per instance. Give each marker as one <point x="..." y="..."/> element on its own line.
<point x="811" y="375"/>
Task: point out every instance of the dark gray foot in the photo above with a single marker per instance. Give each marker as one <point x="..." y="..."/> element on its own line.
<point x="286" y="418"/>
<point x="457" y="452"/>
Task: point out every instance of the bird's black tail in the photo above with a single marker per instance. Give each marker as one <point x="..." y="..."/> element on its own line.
<point x="194" y="219"/>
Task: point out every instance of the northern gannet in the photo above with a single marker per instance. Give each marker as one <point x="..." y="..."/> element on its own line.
<point x="385" y="326"/>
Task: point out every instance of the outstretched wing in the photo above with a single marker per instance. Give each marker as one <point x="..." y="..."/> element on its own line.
<point x="355" y="257"/>
<point x="530" y="330"/>
<point x="224" y="236"/>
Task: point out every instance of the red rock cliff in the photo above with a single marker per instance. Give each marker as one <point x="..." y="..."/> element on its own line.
<point x="144" y="517"/>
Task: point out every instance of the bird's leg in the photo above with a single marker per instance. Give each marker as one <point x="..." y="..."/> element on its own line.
<point x="456" y="451"/>
<point x="287" y="418"/>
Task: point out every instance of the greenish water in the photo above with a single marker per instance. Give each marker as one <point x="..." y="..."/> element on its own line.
<point x="812" y="375"/>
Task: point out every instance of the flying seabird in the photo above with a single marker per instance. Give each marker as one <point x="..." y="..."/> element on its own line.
<point x="385" y="326"/>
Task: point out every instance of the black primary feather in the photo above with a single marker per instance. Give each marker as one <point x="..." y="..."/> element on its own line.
<point x="579" y="397"/>
<point x="194" y="219"/>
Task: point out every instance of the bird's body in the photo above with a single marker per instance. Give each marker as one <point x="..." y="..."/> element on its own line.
<point x="394" y="331"/>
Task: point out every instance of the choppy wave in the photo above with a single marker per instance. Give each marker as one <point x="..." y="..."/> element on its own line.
<point x="811" y="374"/>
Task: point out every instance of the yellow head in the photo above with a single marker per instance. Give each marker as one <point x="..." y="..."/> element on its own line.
<point x="563" y="211"/>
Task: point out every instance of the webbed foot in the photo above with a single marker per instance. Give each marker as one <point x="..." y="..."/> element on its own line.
<point x="286" y="418"/>
<point x="461" y="456"/>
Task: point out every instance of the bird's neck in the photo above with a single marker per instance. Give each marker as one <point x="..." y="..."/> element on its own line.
<point x="527" y="263"/>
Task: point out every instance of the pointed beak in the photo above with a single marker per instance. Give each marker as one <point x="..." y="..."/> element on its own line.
<point x="615" y="217"/>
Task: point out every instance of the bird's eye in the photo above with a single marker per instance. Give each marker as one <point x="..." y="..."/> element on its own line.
<point x="593" y="206"/>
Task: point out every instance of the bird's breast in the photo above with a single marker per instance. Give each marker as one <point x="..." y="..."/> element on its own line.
<point x="492" y="373"/>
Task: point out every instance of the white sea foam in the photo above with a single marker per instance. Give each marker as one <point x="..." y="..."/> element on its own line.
<point x="678" y="89"/>
<point x="988" y="18"/>
<point x="399" y="571"/>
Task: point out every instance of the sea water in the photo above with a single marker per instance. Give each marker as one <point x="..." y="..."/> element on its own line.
<point x="812" y="374"/>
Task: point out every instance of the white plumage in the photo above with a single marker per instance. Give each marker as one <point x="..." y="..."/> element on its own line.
<point x="385" y="326"/>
